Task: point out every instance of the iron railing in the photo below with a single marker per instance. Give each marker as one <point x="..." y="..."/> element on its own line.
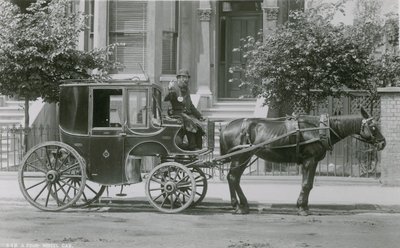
<point x="351" y="158"/>
<point x="13" y="147"/>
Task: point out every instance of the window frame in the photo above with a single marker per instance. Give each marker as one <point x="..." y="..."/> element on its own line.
<point x="99" y="129"/>
<point x="129" y="125"/>
<point x="133" y="72"/>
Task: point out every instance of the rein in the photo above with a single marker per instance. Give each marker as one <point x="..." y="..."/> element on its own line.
<point x="324" y="137"/>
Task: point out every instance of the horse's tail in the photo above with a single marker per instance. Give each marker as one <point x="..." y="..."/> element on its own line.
<point x="222" y="143"/>
<point x="228" y="134"/>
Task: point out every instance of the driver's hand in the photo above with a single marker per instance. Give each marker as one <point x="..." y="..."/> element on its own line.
<point x="171" y="85"/>
<point x="202" y="118"/>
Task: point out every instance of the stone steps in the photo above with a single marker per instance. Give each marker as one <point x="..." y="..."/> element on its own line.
<point x="225" y="111"/>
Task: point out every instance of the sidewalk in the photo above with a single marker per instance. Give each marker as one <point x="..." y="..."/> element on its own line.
<point x="261" y="190"/>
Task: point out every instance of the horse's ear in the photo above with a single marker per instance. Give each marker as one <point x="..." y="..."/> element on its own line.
<point x="364" y="113"/>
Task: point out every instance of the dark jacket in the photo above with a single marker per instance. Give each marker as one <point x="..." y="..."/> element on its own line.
<point x="183" y="107"/>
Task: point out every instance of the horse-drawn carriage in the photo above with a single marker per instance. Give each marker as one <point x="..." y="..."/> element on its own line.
<point x="110" y="133"/>
<point x="113" y="132"/>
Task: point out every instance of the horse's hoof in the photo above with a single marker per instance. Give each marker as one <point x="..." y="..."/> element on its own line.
<point x="303" y="212"/>
<point x="241" y="211"/>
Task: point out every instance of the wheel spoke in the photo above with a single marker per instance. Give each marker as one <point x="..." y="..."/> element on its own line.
<point x="154" y="189"/>
<point x="172" y="201"/>
<point x="48" y="157"/>
<point x="65" y="192"/>
<point x="70" y="176"/>
<point x="40" y="159"/>
<point x="184" y="178"/>
<point x="176" y="175"/>
<point x="162" y="193"/>
<point x="56" y="194"/>
<point x="70" y="167"/>
<point x="48" y="195"/>
<point x="64" y="160"/>
<point x="160" y="182"/>
<point x="34" y="176"/>
<point x="91" y="189"/>
<point x="165" y="199"/>
<point x="84" y="197"/>
<point x="37" y="184"/>
<point x="56" y="157"/>
<point x="37" y="168"/>
<point x="74" y="187"/>
<point x="184" y="185"/>
<point x="183" y="193"/>
<point x="41" y="191"/>
<point x="177" y="198"/>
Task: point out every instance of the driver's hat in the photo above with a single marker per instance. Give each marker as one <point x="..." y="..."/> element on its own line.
<point x="183" y="72"/>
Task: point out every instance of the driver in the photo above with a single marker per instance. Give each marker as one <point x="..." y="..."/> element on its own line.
<point x="179" y="97"/>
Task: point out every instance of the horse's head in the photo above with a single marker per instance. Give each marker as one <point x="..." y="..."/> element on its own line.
<point x="370" y="132"/>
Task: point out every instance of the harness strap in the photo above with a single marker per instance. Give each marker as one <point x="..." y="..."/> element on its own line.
<point x="324" y="132"/>
<point x="298" y="134"/>
<point x="244" y="133"/>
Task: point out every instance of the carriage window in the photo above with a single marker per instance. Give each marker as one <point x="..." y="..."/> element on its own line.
<point x="156" y="107"/>
<point x="137" y="108"/>
<point x="107" y="108"/>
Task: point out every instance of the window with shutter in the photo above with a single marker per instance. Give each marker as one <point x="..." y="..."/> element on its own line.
<point x="170" y="37"/>
<point x="169" y="46"/>
<point x="128" y="27"/>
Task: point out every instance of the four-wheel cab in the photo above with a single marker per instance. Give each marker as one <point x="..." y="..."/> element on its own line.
<point x="110" y="133"/>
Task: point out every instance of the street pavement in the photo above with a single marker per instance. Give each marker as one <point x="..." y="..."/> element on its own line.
<point x="328" y="192"/>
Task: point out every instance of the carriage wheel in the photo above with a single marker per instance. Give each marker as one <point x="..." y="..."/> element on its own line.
<point x="91" y="193"/>
<point x="201" y="185"/>
<point x="46" y="175"/>
<point x="170" y="187"/>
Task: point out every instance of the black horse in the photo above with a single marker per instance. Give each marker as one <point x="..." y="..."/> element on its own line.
<point x="303" y="139"/>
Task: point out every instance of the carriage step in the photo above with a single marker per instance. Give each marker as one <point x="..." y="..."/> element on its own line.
<point x="121" y="193"/>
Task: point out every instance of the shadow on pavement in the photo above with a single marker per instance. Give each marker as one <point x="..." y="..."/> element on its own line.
<point x="217" y="206"/>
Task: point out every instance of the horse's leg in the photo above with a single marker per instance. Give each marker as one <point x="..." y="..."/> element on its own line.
<point x="308" y="168"/>
<point x="243" y="207"/>
<point x="231" y="179"/>
<point x="235" y="173"/>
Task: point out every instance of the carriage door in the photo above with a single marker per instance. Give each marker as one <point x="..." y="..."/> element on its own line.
<point x="107" y="135"/>
<point x="238" y="19"/>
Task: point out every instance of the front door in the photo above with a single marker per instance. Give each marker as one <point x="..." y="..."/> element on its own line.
<point x="237" y="20"/>
<point x="107" y="136"/>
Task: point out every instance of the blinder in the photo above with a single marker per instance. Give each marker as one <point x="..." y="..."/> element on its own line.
<point x="368" y="135"/>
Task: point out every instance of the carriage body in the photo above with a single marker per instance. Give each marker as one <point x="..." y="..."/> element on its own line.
<point x="111" y="133"/>
<point x="114" y="125"/>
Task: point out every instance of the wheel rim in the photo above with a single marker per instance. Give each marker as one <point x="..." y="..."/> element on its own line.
<point x="201" y="185"/>
<point x="170" y="187"/>
<point x="46" y="175"/>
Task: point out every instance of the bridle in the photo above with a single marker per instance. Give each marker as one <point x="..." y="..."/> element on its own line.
<point x="365" y="131"/>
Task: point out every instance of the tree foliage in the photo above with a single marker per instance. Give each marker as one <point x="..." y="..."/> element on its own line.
<point x="38" y="49"/>
<point x="310" y="58"/>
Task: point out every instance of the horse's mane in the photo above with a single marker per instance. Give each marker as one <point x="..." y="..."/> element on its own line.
<point x="352" y="123"/>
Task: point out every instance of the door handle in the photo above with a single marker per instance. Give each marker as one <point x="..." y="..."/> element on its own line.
<point x="122" y="134"/>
